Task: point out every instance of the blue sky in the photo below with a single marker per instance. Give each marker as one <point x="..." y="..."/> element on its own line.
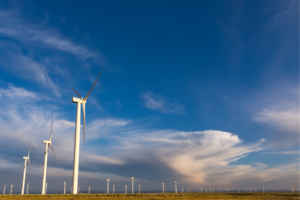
<point x="203" y="92"/>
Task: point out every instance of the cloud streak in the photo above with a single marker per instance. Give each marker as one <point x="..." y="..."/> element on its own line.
<point x="161" y="104"/>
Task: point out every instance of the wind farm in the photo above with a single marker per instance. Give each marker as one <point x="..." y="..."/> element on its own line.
<point x="149" y="99"/>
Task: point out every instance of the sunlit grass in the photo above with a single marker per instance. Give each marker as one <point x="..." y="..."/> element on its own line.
<point x="154" y="196"/>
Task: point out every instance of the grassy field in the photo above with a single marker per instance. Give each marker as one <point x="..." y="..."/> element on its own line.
<point x="144" y="196"/>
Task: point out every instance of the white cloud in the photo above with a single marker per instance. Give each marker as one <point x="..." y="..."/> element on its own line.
<point x="18" y="93"/>
<point x="282" y="111"/>
<point x="159" y="103"/>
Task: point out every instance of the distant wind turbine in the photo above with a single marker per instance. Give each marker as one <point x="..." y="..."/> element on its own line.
<point x="139" y="188"/>
<point x="163" y="187"/>
<point x="89" y="189"/>
<point x="263" y="188"/>
<point x="65" y="185"/>
<point x="132" y="184"/>
<point x="125" y="189"/>
<point x="24" y="173"/>
<point x="80" y="101"/>
<point x="181" y="190"/>
<point x="107" y="188"/>
<point x="27" y="187"/>
<point x="246" y="189"/>
<point x="114" y="189"/>
<point x="293" y="188"/>
<point x="238" y="188"/>
<point x="4" y="188"/>
<point x="48" y="143"/>
<point x="175" y="186"/>
<point x="11" y="188"/>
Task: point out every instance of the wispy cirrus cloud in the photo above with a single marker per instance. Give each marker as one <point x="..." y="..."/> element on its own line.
<point x="160" y="103"/>
<point x="281" y="111"/>
<point x="13" y="26"/>
<point x="37" y="52"/>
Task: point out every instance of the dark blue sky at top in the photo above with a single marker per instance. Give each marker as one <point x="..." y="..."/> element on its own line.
<point x="221" y="61"/>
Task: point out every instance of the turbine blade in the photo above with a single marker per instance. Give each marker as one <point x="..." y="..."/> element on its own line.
<point x="77" y="93"/>
<point x="83" y="112"/>
<point x="51" y="129"/>
<point x="52" y="149"/>
<point x="29" y="150"/>
<point x="93" y="86"/>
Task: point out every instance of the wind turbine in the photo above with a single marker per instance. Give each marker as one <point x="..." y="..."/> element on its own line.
<point x="65" y="184"/>
<point x="89" y="189"/>
<point x="125" y="189"/>
<point x="263" y="188"/>
<point x="114" y="189"/>
<point x="80" y="101"/>
<point x="107" y="190"/>
<point x="27" y="187"/>
<point x="48" y="143"/>
<point x="4" y="188"/>
<point x="139" y="188"/>
<point x="238" y="189"/>
<point x="163" y="187"/>
<point x="175" y="186"/>
<point x="11" y="187"/>
<point x="132" y="183"/>
<point x="24" y="173"/>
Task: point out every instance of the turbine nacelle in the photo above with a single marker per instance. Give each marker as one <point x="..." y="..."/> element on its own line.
<point x="47" y="141"/>
<point x="77" y="100"/>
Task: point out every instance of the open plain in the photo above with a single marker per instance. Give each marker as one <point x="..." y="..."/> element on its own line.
<point x="154" y="196"/>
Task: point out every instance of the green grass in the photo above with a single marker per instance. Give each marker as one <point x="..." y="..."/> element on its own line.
<point x="155" y="196"/>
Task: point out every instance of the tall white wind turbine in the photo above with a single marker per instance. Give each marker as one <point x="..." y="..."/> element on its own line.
<point x="24" y="173"/>
<point x="163" y="187"/>
<point x="175" y="186"/>
<point x="80" y="101"/>
<point x="48" y="143"/>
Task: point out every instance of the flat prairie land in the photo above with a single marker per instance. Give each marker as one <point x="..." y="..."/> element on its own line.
<point x="156" y="196"/>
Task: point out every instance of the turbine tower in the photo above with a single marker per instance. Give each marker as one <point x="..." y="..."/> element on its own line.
<point x="163" y="187"/>
<point x="11" y="187"/>
<point x="80" y="101"/>
<point x="27" y="187"/>
<point x="125" y="189"/>
<point x="46" y="188"/>
<point x="139" y="188"/>
<point x="89" y="189"/>
<point x="48" y="143"/>
<point x="263" y="188"/>
<point x="238" y="189"/>
<point x="24" y="173"/>
<point x="114" y="189"/>
<point x="4" y="188"/>
<point x="107" y="190"/>
<point x="65" y="183"/>
<point x="132" y="184"/>
<point x="175" y="186"/>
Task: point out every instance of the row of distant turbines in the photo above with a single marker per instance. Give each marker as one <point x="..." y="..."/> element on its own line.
<point x="200" y="190"/>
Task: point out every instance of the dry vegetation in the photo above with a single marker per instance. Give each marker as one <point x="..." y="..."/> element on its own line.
<point x="184" y="196"/>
